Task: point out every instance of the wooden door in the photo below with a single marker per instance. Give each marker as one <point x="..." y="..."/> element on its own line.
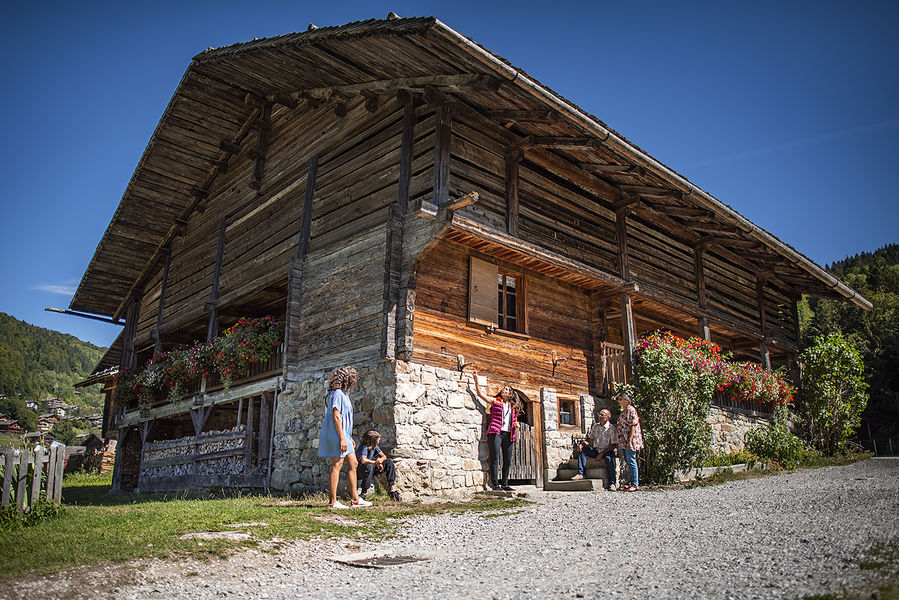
<point x="526" y="452"/>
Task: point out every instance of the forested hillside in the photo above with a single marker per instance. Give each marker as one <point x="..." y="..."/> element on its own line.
<point x="874" y="333"/>
<point x="37" y="362"/>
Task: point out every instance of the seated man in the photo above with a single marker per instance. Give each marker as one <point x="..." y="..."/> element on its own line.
<point x="372" y="461"/>
<point x="602" y="441"/>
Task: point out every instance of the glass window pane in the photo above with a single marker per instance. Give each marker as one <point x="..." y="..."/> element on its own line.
<point x="510" y="324"/>
<point x="510" y="283"/>
<point x="511" y="305"/>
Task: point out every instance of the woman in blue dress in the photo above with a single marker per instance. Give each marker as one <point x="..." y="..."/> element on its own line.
<point x="336" y="438"/>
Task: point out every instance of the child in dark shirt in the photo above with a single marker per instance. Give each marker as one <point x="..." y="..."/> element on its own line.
<point x="373" y="461"/>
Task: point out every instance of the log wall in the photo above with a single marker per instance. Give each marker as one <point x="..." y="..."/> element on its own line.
<point x="558" y="320"/>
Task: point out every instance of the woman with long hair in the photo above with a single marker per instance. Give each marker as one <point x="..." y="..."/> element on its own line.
<point x="502" y="431"/>
<point x="335" y="440"/>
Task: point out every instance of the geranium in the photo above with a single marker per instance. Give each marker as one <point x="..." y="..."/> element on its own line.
<point x="248" y="341"/>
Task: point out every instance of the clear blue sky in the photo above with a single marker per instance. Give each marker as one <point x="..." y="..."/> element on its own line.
<point x="786" y="111"/>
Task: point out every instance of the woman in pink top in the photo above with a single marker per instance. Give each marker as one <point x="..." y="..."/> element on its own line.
<point x="630" y="437"/>
<point x="502" y="430"/>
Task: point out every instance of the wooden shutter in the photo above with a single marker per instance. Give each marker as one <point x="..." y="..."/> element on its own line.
<point x="482" y="292"/>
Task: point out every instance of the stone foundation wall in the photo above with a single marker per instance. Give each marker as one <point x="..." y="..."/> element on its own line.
<point x="298" y="418"/>
<point x="730" y="425"/>
<point x="558" y="445"/>
<point x="441" y="443"/>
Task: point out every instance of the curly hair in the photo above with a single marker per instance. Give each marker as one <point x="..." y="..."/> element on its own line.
<point x="370" y="438"/>
<point x="517" y="401"/>
<point x="342" y="379"/>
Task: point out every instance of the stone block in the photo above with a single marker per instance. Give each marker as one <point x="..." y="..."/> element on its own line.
<point x="383" y="415"/>
<point x="428" y="378"/>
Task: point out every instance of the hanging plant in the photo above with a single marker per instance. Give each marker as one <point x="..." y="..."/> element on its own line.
<point x="248" y="341"/>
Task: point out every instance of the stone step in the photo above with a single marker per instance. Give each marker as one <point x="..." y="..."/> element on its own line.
<point x="582" y="485"/>
<point x="592" y="463"/>
<point x="567" y="474"/>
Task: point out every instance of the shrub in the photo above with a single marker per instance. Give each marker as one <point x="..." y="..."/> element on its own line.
<point x="673" y="392"/>
<point x="775" y="443"/>
<point x="42" y="510"/>
<point x="727" y="459"/>
<point x="833" y="393"/>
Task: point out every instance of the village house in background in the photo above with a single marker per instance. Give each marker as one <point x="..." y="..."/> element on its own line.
<point x="407" y="202"/>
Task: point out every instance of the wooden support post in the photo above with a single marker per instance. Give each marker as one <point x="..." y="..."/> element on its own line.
<point x="239" y="414"/>
<point x="393" y="263"/>
<point x="441" y="163"/>
<point x="513" y="161"/>
<point x="621" y="233"/>
<point x="265" y="422"/>
<point x="128" y="359"/>
<point x="763" y="321"/>
<point x="213" y="329"/>
<point x="9" y="463"/>
<point x="118" y="464"/>
<point x="295" y="276"/>
<point x="157" y="333"/>
<point x="248" y="451"/>
<point x="263" y="127"/>
<point x="22" y="477"/>
<point x="628" y="332"/>
<point x="702" y="296"/>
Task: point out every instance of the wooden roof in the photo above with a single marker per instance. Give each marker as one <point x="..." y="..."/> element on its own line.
<point x="219" y="98"/>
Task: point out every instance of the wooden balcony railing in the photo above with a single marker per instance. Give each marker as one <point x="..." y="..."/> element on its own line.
<point x="614" y="367"/>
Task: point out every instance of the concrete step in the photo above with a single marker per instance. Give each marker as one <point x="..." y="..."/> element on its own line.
<point x="592" y="463"/>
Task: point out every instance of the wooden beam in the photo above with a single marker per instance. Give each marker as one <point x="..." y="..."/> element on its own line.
<point x="652" y="192"/>
<point x="450" y="83"/>
<point x="559" y="143"/>
<point x="306" y="223"/>
<point x="578" y="177"/>
<point x="463" y="201"/>
<point x="513" y="161"/>
<point x="285" y="99"/>
<point x="629" y="202"/>
<point x="679" y="211"/>
<point x="628" y="332"/>
<point x="230" y="147"/>
<point x="763" y="322"/>
<point x="606" y="169"/>
<point x="157" y="348"/>
<point x="624" y="270"/>
<point x="213" y="329"/>
<point x="524" y="116"/>
<point x="263" y="128"/>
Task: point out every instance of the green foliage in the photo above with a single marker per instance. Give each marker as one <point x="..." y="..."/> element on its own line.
<point x="169" y="374"/>
<point x="41" y="511"/>
<point x="775" y="443"/>
<point x="36" y="363"/>
<point x="726" y="459"/>
<point x="874" y="333"/>
<point x="16" y="409"/>
<point x="672" y="398"/>
<point x="833" y="394"/>
<point x="675" y="382"/>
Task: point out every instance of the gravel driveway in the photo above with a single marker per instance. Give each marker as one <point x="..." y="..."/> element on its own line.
<point x="782" y="536"/>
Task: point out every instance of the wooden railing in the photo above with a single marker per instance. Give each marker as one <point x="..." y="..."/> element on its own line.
<point x="614" y="367"/>
<point x="723" y="401"/>
<point x="24" y="478"/>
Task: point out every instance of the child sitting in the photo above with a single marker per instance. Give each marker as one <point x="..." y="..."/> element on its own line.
<point x="373" y="461"/>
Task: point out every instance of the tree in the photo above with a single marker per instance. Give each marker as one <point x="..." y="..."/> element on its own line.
<point x="833" y="393"/>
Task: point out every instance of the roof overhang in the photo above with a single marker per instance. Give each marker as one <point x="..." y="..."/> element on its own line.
<point x="218" y="94"/>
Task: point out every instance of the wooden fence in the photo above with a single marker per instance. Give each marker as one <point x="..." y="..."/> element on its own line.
<point x="24" y="478"/>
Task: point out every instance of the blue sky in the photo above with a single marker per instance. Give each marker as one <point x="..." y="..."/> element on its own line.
<point x="786" y="111"/>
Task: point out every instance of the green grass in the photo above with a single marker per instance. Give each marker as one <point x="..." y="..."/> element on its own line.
<point x="96" y="527"/>
<point x="882" y="561"/>
<point x="814" y="461"/>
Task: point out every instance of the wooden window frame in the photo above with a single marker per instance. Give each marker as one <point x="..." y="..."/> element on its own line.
<point x="575" y="413"/>
<point x="483" y="309"/>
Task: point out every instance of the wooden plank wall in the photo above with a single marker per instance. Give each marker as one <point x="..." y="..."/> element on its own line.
<point x="356" y="184"/>
<point x="558" y="320"/>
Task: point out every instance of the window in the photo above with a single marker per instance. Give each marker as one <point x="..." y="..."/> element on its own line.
<point x="567" y="412"/>
<point x="507" y="302"/>
<point x="496" y="298"/>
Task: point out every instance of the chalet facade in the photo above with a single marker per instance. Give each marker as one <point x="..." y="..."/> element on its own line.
<point x="407" y="202"/>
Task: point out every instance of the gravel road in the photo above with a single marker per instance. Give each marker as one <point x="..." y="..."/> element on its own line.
<point x="782" y="536"/>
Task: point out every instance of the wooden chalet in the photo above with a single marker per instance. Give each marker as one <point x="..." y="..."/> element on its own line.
<point x="407" y="202"/>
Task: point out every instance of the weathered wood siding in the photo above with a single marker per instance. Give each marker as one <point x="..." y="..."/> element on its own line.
<point x="558" y="320"/>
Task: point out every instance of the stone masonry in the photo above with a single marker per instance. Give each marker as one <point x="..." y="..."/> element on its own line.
<point x="730" y="425"/>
